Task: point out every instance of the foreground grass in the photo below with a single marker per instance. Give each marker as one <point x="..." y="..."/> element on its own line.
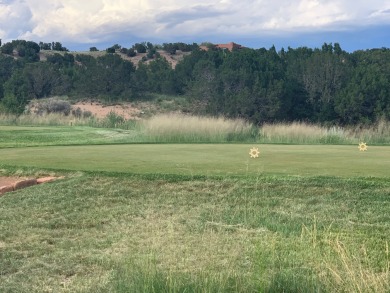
<point x="120" y="233"/>
<point x="191" y="217"/>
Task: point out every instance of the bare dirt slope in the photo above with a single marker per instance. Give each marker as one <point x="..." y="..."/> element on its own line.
<point x="99" y="110"/>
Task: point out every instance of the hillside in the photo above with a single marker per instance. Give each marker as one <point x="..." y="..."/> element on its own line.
<point x="325" y="85"/>
<point x="172" y="59"/>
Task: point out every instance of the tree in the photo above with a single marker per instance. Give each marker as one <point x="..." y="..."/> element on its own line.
<point x="93" y="49"/>
<point x="45" y="46"/>
<point x="131" y="52"/>
<point x="44" y="80"/>
<point x="160" y="77"/>
<point x="323" y="77"/>
<point x="337" y="49"/>
<point x="7" y="48"/>
<point x="8" y="66"/>
<point x="140" y="48"/>
<point x="66" y="60"/>
<point x="57" y="46"/>
<point x="203" y="87"/>
<point x="124" y="50"/>
<point x="170" y="48"/>
<point x="25" y="49"/>
<point x="15" y="93"/>
<point x="184" y="70"/>
<point x="141" y="77"/>
<point x="365" y="99"/>
<point x="264" y="101"/>
<point x="149" y="46"/>
<point x="107" y="76"/>
<point x="151" y="53"/>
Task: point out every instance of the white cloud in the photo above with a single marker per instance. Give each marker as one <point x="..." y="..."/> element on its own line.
<point x="99" y="20"/>
<point x="14" y="18"/>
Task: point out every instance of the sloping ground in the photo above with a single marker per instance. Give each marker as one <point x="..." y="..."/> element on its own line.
<point x="172" y="59"/>
<point x="132" y="110"/>
<point x="126" y="110"/>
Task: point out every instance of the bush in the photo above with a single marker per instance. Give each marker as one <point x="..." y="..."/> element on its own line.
<point x="124" y="50"/>
<point x="77" y="112"/>
<point x="87" y="114"/>
<point x="151" y="53"/>
<point x="113" y="120"/>
<point x="140" y="48"/>
<point x="131" y="52"/>
<point x="51" y="105"/>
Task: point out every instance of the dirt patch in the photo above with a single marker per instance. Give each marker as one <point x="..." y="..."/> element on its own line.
<point x="9" y="180"/>
<point x="99" y="110"/>
<point x="8" y="184"/>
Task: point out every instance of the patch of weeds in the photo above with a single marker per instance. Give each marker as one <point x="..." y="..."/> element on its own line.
<point x="145" y="277"/>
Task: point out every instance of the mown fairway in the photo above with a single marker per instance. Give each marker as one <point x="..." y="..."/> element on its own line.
<point x="21" y="136"/>
<point x="207" y="159"/>
<point x="192" y="217"/>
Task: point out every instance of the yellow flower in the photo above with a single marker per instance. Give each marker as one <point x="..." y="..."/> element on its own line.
<point x="254" y="152"/>
<point x="362" y="146"/>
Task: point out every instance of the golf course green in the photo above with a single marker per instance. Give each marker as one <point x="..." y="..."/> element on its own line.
<point x="208" y="159"/>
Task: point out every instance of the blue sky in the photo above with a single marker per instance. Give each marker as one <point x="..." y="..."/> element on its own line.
<point x="79" y="25"/>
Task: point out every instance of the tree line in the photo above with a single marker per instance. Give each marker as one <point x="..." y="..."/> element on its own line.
<point x="325" y="85"/>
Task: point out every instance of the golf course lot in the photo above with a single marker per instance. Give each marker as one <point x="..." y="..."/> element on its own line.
<point x="186" y="217"/>
<point x="208" y="159"/>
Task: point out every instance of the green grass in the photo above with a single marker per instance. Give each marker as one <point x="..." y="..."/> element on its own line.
<point x="98" y="233"/>
<point x="191" y="217"/>
<point x="207" y="159"/>
<point x="178" y="128"/>
<point x="135" y="132"/>
<point x="22" y="136"/>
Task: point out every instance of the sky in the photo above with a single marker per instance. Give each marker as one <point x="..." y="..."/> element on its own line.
<point x="79" y="25"/>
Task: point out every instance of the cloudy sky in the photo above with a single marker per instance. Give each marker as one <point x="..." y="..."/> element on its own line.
<point x="80" y="24"/>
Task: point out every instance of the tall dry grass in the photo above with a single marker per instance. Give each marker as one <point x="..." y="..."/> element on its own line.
<point x="346" y="266"/>
<point x="306" y="133"/>
<point x="301" y="133"/>
<point x="378" y="132"/>
<point x="52" y="119"/>
<point x="352" y="272"/>
<point x="112" y="120"/>
<point x="185" y="128"/>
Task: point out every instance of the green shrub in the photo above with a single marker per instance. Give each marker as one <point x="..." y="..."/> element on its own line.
<point x="51" y="105"/>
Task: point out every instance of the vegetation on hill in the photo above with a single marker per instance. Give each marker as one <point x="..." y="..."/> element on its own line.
<point x="326" y="85"/>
